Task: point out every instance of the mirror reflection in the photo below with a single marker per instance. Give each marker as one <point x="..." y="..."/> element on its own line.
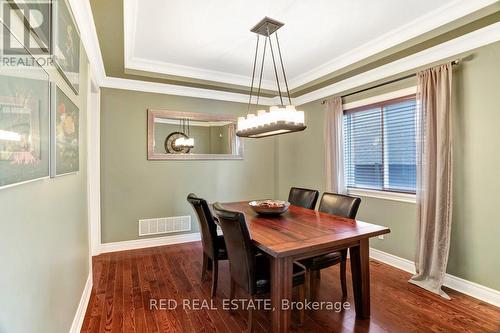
<point x="189" y="136"/>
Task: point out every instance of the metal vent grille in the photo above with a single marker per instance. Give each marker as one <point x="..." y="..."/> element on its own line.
<point x="164" y="225"/>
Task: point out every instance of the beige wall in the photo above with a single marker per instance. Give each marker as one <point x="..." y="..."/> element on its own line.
<point x="476" y="121"/>
<point x="44" y="251"/>
<point x="134" y="188"/>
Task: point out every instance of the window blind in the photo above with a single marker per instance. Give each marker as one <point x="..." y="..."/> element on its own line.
<point x="380" y="146"/>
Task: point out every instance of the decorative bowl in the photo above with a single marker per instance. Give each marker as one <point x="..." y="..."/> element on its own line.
<point x="269" y="207"/>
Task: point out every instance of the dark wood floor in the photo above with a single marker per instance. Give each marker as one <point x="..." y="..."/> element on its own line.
<point x="124" y="282"/>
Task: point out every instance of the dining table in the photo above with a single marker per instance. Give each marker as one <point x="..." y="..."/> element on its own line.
<point x="302" y="233"/>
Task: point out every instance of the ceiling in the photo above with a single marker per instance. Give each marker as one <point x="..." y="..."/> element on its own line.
<point x="210" y="40"/>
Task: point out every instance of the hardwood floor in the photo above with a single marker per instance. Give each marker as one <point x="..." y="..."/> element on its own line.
<point x="124" y="283"/>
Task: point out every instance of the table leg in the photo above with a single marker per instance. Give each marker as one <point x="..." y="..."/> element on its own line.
<point x="360" y="269"/>
<point x="281" y="289"/>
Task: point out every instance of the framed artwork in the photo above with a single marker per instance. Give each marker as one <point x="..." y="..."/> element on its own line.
<point x="65" y="134"/>
<point x="24" y="120"/>
<point x="66" y="43"/>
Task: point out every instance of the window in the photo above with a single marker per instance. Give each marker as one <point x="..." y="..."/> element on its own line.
<point x="380" y="146"/>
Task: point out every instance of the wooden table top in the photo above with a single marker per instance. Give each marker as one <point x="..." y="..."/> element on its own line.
<point x="301" y="230"/>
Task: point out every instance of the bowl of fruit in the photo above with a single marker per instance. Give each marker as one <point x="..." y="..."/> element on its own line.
<point x="269" y="207"/>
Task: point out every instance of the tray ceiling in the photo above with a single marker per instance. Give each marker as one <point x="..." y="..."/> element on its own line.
<point x="210" y="40"/>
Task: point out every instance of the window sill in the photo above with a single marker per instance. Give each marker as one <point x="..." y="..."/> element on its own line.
<point x="395" y="196"/>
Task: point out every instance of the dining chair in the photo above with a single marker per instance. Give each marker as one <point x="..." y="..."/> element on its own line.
<point x="214" y="247"/>
<point x="340" y="205"/>
<point x="249" y="271"/>
<point x="303" y="197"/>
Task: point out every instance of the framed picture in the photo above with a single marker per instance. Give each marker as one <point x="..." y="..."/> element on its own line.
<point x="24" y="119"/>
<point x="65" y="134"/>
<point x="66" y="43"/>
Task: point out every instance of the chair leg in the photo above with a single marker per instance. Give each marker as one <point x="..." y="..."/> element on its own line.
<point x="302" y="299"/>
<point x="342" y="279"/>
<point x="312" y="285"/>
<point x="307" y="284"/>
<point x="318" y="274"/>
<point x="204" y="267"/>
<point x="250" y="318"/>
<point x="231" y="290"/>
<point x="215" y="273"/>
<point x="232" y="286"/>
<point x="209" y="264"/>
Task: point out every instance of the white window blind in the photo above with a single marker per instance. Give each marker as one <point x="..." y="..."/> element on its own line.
<point x="380" y="146"/>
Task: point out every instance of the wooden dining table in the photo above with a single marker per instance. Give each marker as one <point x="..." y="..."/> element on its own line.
<point x="304" y="233"/>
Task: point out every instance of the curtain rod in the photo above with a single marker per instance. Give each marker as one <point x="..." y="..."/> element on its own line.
<point x="454" y="62"/>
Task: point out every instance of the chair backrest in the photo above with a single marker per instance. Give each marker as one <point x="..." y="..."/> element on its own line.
<point x="206" y="222"/>
<point x="303" y="197"/>
<point x="339" y="204"/>
<point x="240" y="250"/>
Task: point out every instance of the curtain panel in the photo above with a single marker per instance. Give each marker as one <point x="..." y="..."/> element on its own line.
<point x="334" y="146"/>
<point x="434" y="177"/>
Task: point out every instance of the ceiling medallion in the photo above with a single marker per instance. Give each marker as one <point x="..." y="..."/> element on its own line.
<point x="280" y="119"/>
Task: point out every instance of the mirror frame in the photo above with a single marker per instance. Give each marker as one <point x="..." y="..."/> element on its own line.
<point x="159" y="113"/>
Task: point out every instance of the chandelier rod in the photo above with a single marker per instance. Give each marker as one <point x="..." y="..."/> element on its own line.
<point x="261" y="69"/>
<point x="274" y="65"/>
<point x="283" y="68"/>
<point x="253" y="73"/>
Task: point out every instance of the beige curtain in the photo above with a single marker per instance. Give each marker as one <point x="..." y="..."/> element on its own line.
<point x="434" y="177"/>
<point x="232" y="140"/>
<point x="334" y="145"/>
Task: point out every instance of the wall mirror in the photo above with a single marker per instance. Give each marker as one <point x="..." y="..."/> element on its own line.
<point x="174" y="135"/>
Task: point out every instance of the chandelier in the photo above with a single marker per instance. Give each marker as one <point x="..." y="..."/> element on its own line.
<point x="184" y="141"/>
<point x="279" y="119"/>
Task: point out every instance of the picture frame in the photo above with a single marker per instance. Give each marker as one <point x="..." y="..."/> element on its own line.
<point x="65" y="134"/>
<point x="66" y="44"/>
<point x="24" y="120"/>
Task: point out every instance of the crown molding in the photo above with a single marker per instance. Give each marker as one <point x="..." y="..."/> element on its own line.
<point x="129" y="28"/>
<point x="146" y="65"/>
<point x="475" y="39"/>
<point x="88" y="34"/>
<point x="412" y="29"/>
<point x="419" y="26"/>
<point x="171" y="89"/>
<point x="200" y="123"/>
<point x="470" y="41"/>
<point x="85" y="22"/>
<point x="136" y="63"/>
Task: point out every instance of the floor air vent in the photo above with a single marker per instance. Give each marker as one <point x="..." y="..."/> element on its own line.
<point x="164" y="225"/>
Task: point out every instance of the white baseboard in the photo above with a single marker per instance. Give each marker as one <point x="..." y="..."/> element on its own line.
<point x="390" y="259"/>
<point x="473" y="289"/>
<point x="149" y="242"/>
<point x="76" y="326"/>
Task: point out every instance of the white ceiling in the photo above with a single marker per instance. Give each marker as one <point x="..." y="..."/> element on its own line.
<point x="210" y="39"/>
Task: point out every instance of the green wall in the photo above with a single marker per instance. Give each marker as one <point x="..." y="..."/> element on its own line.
<point x="134" y="188"/>
<point x="44" y="251"/>
<point x="476" y="120"/>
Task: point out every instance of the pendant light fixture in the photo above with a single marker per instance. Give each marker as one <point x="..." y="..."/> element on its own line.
<point x="280" y="119"/>
<point x="184" y="141"/>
